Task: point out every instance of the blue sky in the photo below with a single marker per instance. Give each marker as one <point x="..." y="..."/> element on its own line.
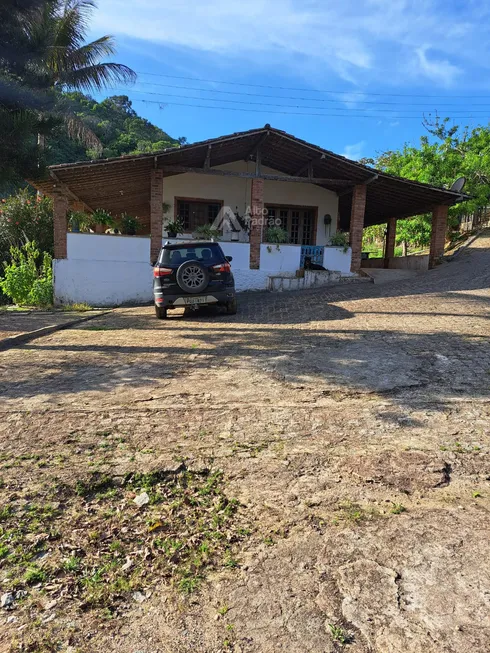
<point x="393" y="60"/>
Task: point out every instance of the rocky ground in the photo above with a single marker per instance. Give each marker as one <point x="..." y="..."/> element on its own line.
<point x="316" y="472"/>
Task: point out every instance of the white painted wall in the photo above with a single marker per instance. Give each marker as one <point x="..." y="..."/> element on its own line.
<point x="235" y="193"/>
<point x="104" y="270"/>
<point x="334" y="258"/>
<point x="280" y="258"/>
<point x="105" y="247"/>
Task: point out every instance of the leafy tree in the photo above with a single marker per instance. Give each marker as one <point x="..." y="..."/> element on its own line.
<point x="44" y="53"/>
<point x="117" y="126"/>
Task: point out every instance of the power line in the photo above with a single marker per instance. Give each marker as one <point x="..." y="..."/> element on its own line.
<point x="289" y="97"/>
<point x="287" y="113"/>
<point x="285" y="106"/>
<point x="309" y="90"/>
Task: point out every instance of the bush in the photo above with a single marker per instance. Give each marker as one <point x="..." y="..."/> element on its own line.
<point x="206" y="232"/>
<point x="28" y="282"/>
<point x="276" y="235"/>
<point x="340" y="239"/>
<point x="26" y="217"/>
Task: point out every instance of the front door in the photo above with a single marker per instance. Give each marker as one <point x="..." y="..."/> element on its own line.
<point x="298" y="222"/>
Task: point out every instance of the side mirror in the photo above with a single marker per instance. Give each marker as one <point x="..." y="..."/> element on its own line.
<point x="229" y="258"/>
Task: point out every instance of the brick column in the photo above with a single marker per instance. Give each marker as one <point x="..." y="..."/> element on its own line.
<point x="357" y="225"/>
<point x="60" y="224"/>
<point x="156" y="213"/>
<point x="390" y="241"/>
<point x="256" y="205"/>
<point x="438" y="235"/>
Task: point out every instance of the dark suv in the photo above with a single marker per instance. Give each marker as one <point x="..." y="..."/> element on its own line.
<point x="189" y="275"/>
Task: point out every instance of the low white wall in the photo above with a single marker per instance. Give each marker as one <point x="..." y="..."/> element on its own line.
<point x="335" y="259"/>
<point x="104" y="270"/>
<point x="101" y="247"/>
<point x="280" y="258"/>
<point x="102" y="283"/>
<point x="240" y="253"/>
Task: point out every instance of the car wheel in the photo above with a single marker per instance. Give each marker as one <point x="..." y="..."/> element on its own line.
<point x="231" y="307"/>
<point x="160" y="312"/>
<point x="192" y="277"/>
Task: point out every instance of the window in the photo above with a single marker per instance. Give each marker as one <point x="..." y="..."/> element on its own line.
<point x="298" y="222"/>
<point x="195" y="213"/>
<point x="210" y="254"/>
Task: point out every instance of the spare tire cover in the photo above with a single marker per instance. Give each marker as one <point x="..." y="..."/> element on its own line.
<point x="192" y="277"/>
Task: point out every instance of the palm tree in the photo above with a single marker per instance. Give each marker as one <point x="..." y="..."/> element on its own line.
<point x="43" y="53"/>
<point x="68" y="63"/>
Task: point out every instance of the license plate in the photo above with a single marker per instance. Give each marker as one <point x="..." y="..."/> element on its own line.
<point x="195" y="300"/>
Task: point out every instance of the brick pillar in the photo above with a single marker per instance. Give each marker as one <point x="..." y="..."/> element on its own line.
<point x="60" y="224"/>
<point x="256" y="205"/>
<point x="438" y="235"/>
<point x="156" y="213"/>
<point x="390" y="241"/>
<point x="357" y="225"/>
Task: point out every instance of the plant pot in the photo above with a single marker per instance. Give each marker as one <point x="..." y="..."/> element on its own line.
<point x="171" y="234"/>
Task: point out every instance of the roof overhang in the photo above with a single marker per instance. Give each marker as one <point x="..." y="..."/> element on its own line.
<point x="123" y="183"/>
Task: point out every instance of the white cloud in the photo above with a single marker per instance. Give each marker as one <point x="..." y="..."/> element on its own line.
<point x="354" y="151"/>
<point x="361" y="41"/>
<point x="440" y="70"/>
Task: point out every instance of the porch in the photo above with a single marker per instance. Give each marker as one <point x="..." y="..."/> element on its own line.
<point x="252" y="179"/>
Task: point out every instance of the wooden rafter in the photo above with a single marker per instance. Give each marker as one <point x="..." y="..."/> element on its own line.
<point x="257" y="146"/>
<point x="308" y="166"/>
<point x="207" y="160"/>
<point x="176" y="169"/>
<point x="67" y="191"/>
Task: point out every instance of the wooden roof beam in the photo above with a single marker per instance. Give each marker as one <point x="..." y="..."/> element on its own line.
<point x="66" y="191"/>
<point x="308" y="166"/>
<point x="256" y="148"/>
<point x="176" y="169"/>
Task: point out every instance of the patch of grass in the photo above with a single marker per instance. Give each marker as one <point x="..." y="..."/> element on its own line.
<point x="116" y="548"/>
<point x="223" y="610"/>
<point x="350" y="511"/>
<point x="100" y="327"/>
<point x="338" y="634"/>
<point x="34" y="575"/>
<point x="79" y="307"/>
<point x="72" y="564"/>
<point x="397" y="508"/>
<point x="476" y="494"/>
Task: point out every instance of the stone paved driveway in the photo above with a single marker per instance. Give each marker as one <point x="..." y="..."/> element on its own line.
<point x="352" y="424"/>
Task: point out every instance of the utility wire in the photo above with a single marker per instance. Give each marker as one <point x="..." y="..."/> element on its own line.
<point x="310" y="99"/>
<point x="162" y="104"/>
<point x="285" y="106"/>
<point x="309" y="90"/>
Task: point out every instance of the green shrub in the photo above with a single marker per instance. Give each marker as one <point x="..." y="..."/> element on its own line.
<point x="28" y="280"/>
<point x="25" y="217"/>
<point x="276" y="235"/>
<point x="206" y="232"/>
<point x="340" y="239"/>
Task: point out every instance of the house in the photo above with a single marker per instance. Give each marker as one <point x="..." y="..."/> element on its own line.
<point x="243" y="183"/>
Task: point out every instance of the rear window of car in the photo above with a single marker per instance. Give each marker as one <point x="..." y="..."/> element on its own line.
<point x="207" y="254"/>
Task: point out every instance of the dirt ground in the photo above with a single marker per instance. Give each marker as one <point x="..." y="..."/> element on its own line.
<point x="350" y="423"/>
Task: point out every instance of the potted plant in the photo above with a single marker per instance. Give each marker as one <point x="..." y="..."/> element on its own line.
<point x="276" y="235"/>
<point x="79" y="221"/>
<point x="174" y="227"/>
<point x="103" y="217"/>
<point x="129" y="224"/>
<point x="340" y="239"/>
<point x="206" y="232"/>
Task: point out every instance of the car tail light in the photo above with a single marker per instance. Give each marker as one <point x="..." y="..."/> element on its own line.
<point x="162" y="272"/>
<point x="222" y="267"/>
